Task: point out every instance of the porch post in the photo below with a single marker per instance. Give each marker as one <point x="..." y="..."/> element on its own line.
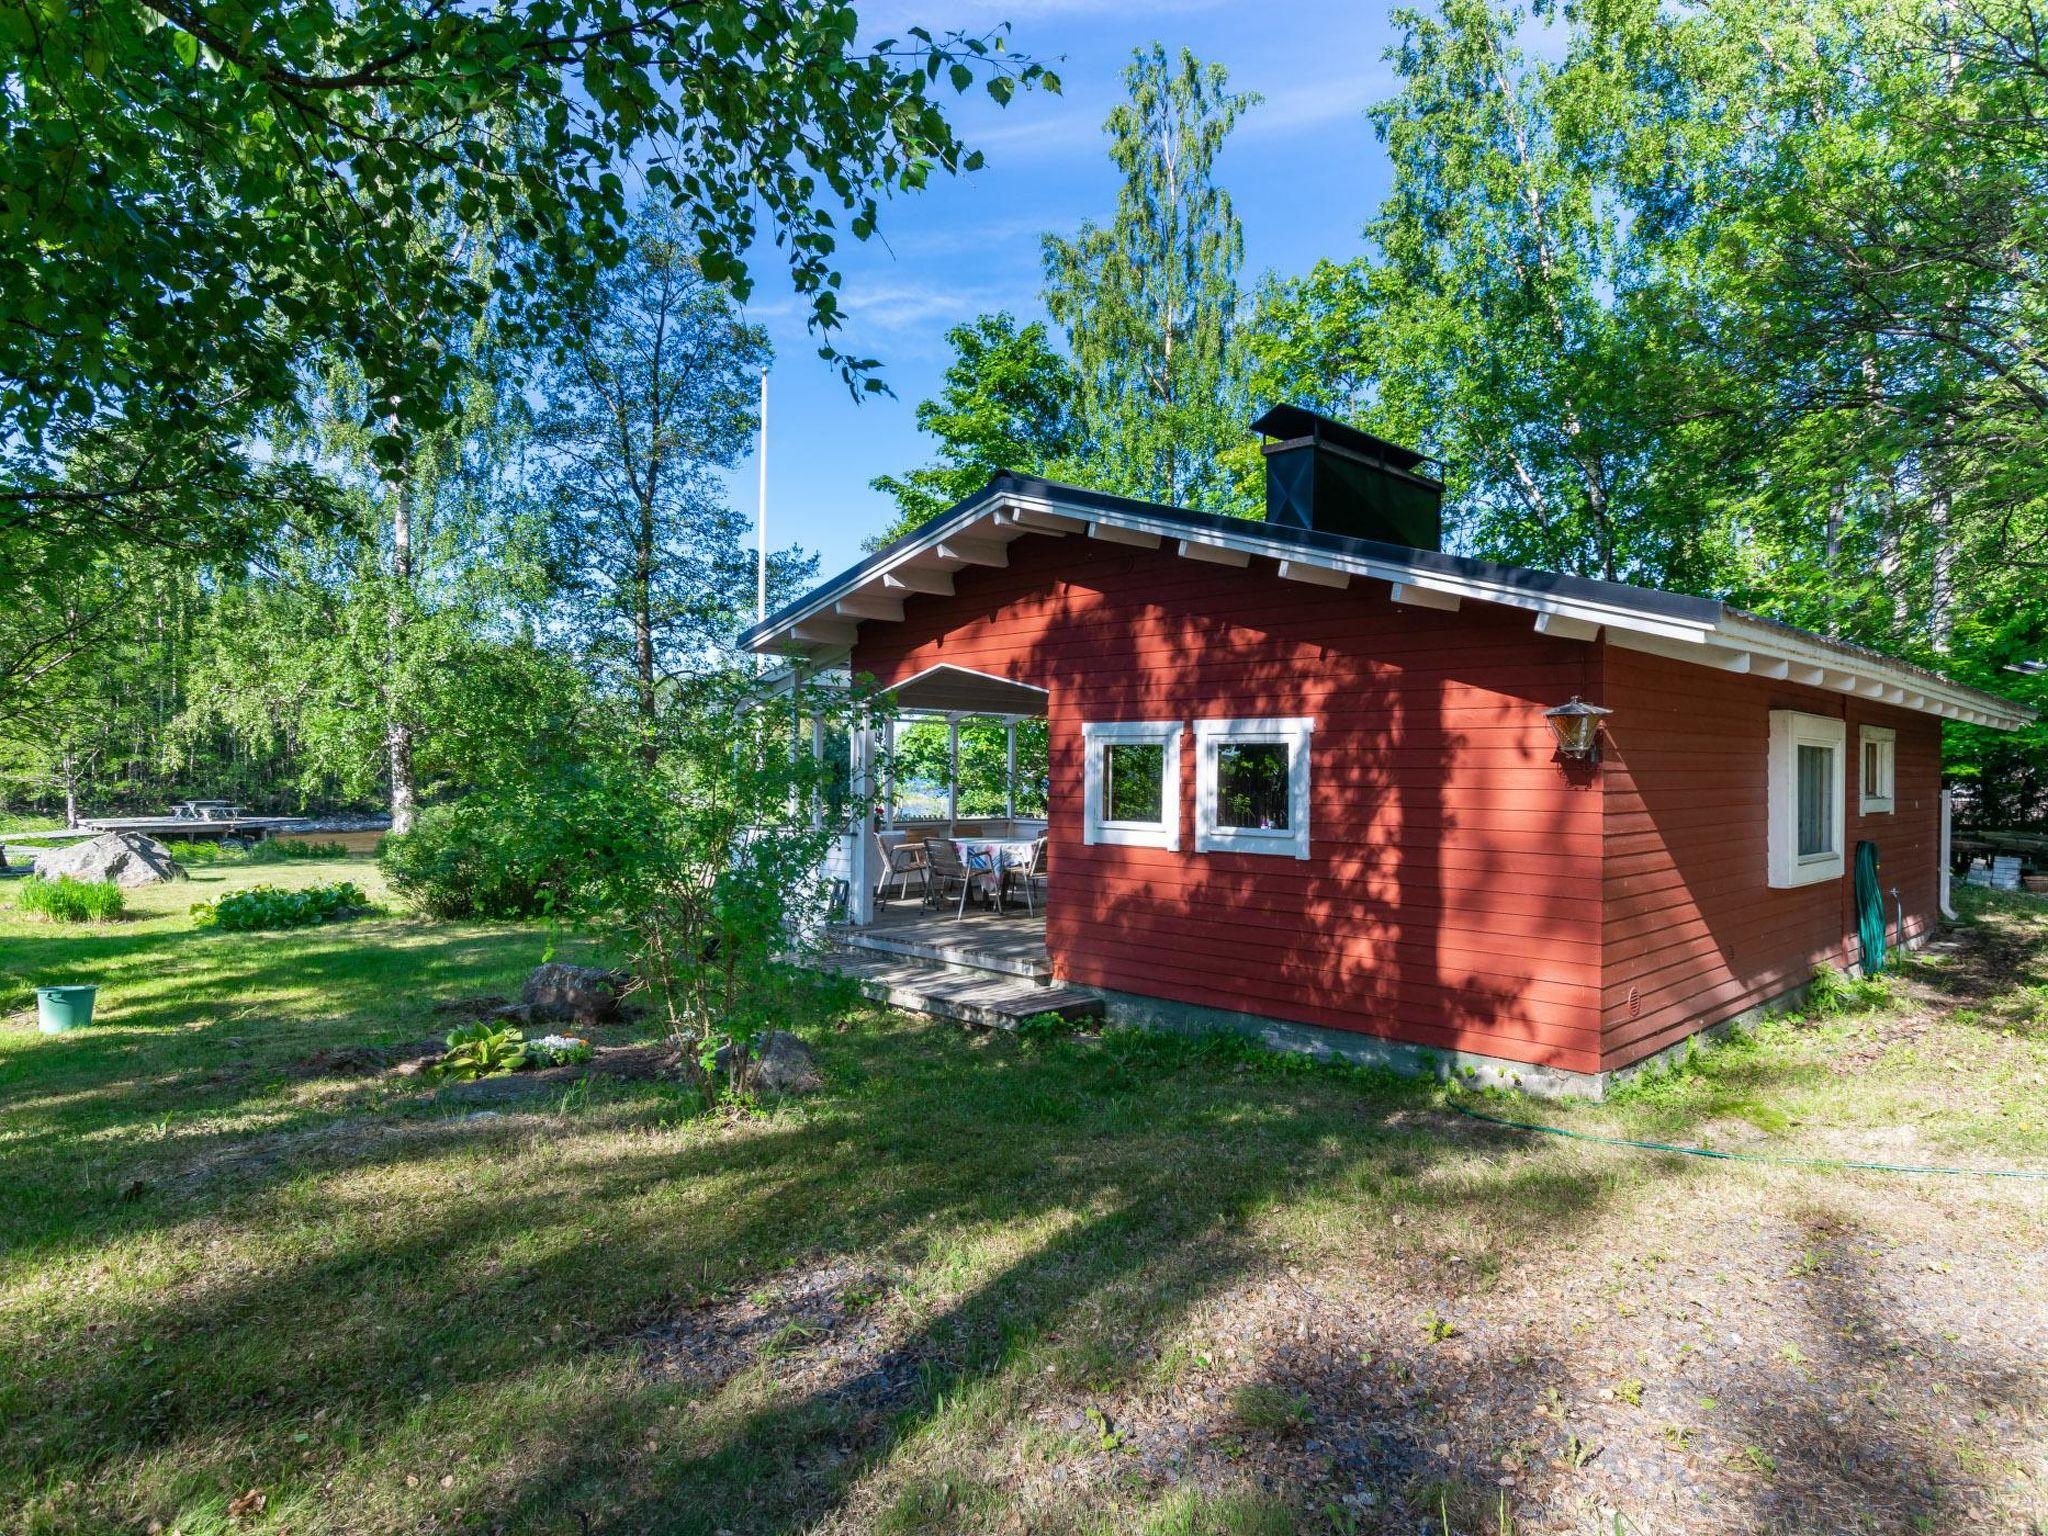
<point x="818" y="758"/>
<point x="952" y="772"/>
<point x="861" y="871"/>
<point x="889" y="771"/>
<point x="1010" y="777"/>
<point x="1946" y="859"/>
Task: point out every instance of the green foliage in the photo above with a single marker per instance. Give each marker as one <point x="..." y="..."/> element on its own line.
<point x="1834" y="992"/>
<point x="1043" y="1028"/>
<point x="657" y="395"/>
<point x="65" y="900"/>
<point x="1271" y="1409"/>
<point x="264" y="907"/>
<point x="481" y="1050"/>
<point x="559" y="1051"/>
<point x="283" y="183"/>
<point x="705" y="853"/>
<point x="1150" y="304"/>
<point x="921" y="767"/>
<point x="475" y="859"/>
<point x="1008" y="403"/>
<point x="272" y="851"/>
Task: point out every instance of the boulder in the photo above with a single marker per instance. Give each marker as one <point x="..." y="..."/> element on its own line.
<point x="581" y="994"/>
<point x="786" y="1065"/>
<point x="127" y="858"/>
<point x="782" y="1063"/>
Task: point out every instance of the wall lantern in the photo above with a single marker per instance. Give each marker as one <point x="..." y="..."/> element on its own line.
<point x="1577" y="728"/>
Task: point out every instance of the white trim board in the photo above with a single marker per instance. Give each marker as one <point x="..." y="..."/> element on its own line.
<point x="818" y="627"/>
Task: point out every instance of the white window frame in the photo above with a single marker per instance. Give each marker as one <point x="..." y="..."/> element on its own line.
<point x="1792" y="729"/>
<point x="1294" y="733"/>
<point x="1886" y="740"/>
<point x="1097" y="735"/>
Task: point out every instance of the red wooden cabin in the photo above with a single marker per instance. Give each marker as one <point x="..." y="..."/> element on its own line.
<point x="1304" y="779"/>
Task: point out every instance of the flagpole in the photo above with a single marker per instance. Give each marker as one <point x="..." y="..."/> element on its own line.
<point x="761" y="515"/>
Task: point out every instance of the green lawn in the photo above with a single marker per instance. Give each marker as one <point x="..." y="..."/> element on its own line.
<point x="1126" y="1283"/>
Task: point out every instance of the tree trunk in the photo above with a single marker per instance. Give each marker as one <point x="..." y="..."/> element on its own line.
<point x="1831" y="559"/>
<point x="70" y="772"/>
<point x="643" y="630"/>
<point x="1941" y="620"/>
<point x="398" y="731"/>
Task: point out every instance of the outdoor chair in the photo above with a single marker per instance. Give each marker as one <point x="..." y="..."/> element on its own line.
<point x="902" y="863"/>
<point x="1030" y="875"/>
<point x="945" y="869"/>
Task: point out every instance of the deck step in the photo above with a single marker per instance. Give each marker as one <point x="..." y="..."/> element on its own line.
<point x="975" y="949"/>
<point x="994" y="1002"/>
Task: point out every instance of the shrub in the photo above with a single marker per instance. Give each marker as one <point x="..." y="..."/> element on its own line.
<point x="1835" y="992"/>
<point x="266" y="906"/>
<point x="482" y="1050"/>
<point x="65" y="900"/>
<point x="478" y="859"/>
<point x="273" y="852"/>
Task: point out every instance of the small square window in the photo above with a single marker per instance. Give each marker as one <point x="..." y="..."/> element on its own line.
<point x="1132" y="788"/>
<point x="1805" y="789"/>
<point x="1251" y="786"/>
<point x="1877" y="792"/>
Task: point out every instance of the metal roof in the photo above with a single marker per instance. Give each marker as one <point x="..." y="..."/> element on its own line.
<point x="1294" y="422"/>
<point x="822" y="624"/>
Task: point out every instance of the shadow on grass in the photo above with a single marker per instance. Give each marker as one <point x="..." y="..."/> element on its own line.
<point x="1125" y="1168"/>
<point x="395" y="1292"/>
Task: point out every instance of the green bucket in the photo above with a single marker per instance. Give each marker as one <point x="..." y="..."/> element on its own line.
<point x="62" y="1008"/>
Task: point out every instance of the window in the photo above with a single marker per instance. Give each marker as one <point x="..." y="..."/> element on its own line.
<point x="1880" y="765"/>
<point x="1132" y="783"/>
<point x="1251" y="786"/>
<point x="1804" y="838"/>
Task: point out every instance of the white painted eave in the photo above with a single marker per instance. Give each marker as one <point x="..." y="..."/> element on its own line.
<point x="824" y="627"/>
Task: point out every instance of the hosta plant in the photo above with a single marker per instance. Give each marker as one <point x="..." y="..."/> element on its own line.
<point x="482" y="1050"/>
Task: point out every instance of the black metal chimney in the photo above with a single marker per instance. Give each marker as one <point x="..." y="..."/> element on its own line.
<point x="1324" y="475"/>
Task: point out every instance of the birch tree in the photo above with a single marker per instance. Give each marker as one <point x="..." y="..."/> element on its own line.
<point x="640" y="418"/>
<point x="1151" y="303"/>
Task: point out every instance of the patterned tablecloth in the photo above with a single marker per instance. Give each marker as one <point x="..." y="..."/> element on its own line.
<point x="994" y="853"/>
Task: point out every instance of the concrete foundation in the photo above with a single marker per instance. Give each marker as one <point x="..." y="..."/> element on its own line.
<point x="1130" y="1009"/>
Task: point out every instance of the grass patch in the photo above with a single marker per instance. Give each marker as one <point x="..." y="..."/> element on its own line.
<point x="1268" y="1409"/>
<point x="67" y="900"/>
<point x="900" y="1304"/>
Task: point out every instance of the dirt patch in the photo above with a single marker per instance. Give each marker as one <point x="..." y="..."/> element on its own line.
<point x="608" y="1063"/>
<point x="826" y="1331"/>
<point x="364" y="1060"/>
<point x="1729" y="1375"/>
<point x="623" y="1063"/>
<point x="471" y="1008"/>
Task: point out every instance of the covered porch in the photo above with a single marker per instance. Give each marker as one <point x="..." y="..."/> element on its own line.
<point x="960" y="758"/>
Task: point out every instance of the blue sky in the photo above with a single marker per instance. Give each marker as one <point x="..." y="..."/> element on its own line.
<point x="1304" y="169"/>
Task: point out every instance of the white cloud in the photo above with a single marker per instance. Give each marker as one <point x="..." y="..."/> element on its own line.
<point x="1317" y="103"/>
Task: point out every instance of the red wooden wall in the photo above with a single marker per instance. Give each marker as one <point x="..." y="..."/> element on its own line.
<point x="1692" y="932"/>
<point x="1453" y="898"/>
<point x="1466" y="890"/>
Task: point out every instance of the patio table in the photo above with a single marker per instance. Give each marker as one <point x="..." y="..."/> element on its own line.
<point x="992" y="855"/>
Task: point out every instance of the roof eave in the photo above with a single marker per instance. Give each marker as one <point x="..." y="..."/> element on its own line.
<point x="822" y="626"/>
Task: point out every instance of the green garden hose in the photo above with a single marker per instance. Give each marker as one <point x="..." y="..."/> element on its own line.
<point x="1870" y="908"/>
<point x="1752" y="1157"/>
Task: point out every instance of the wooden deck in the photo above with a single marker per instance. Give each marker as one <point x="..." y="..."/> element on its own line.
<point x="987" y="998"/>
<point x="1004" y="943"/>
